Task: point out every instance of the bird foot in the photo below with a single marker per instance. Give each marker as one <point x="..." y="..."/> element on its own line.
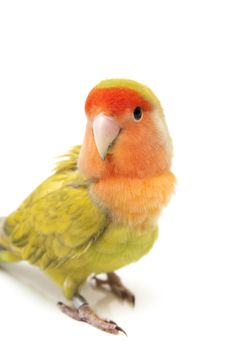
<point x="116" y="286"/>
<point x="84" y="313"/>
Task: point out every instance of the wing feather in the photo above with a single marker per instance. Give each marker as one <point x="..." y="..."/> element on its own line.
<point x="57" y="221"/>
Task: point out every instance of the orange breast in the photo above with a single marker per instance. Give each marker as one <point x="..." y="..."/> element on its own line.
<point x="134" y="201"/>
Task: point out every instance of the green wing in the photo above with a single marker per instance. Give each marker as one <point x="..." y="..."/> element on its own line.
<point x="58" y="220"/>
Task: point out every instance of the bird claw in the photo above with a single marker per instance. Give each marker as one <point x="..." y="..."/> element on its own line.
<point x="116" y="286"/>
<point x="85" y="314"/>
<point x="116" y="326"/>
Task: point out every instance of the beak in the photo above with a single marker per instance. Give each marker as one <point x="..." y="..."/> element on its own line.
<point x="105" y="131"/>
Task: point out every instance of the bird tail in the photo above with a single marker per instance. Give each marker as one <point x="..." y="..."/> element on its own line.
<point x="6" y="254"/>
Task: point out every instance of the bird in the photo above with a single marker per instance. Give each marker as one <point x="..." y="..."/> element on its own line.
<point x="99" y="209"/>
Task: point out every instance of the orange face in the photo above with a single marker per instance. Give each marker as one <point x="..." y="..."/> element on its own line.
<point x="125" y="136"/>
<point x="117" y="102"/>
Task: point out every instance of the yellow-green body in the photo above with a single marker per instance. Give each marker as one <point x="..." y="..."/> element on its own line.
<point x="60" y="229"/>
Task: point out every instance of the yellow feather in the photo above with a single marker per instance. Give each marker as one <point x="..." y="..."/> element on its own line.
<point x="60" y="229"/>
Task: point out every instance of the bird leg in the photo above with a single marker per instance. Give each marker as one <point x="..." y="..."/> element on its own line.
<point x="81" y="311"/>
<point x="116" y="286"/>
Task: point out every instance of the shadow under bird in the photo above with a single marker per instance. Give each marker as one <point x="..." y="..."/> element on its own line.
<point x="98" y="211"/>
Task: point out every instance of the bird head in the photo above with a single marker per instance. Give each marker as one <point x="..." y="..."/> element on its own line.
<point x="126" y="133"/>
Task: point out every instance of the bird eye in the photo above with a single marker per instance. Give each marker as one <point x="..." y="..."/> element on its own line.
<point x="137" y="113"/>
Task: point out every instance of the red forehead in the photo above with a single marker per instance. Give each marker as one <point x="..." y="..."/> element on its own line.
<point x="114" y="101"/>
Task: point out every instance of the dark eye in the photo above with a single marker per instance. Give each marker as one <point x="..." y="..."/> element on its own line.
<point x="138" y="113"/>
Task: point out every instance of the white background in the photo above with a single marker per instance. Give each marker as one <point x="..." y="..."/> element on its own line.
<point x="51" y="54"/>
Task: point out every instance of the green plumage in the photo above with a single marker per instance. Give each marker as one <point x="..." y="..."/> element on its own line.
<point x="60" y="229"/>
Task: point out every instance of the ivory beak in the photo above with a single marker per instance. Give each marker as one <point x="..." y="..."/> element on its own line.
<point x="105" y="131"/>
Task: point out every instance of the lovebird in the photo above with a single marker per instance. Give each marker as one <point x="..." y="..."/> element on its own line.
<point x="99" y="209"/>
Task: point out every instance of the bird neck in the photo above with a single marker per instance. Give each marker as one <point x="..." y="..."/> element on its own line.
<point x="133" y="201"/>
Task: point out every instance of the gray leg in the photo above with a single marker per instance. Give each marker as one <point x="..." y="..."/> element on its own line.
<point x="83" y="312"/>
<point x="116" y="286"/>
